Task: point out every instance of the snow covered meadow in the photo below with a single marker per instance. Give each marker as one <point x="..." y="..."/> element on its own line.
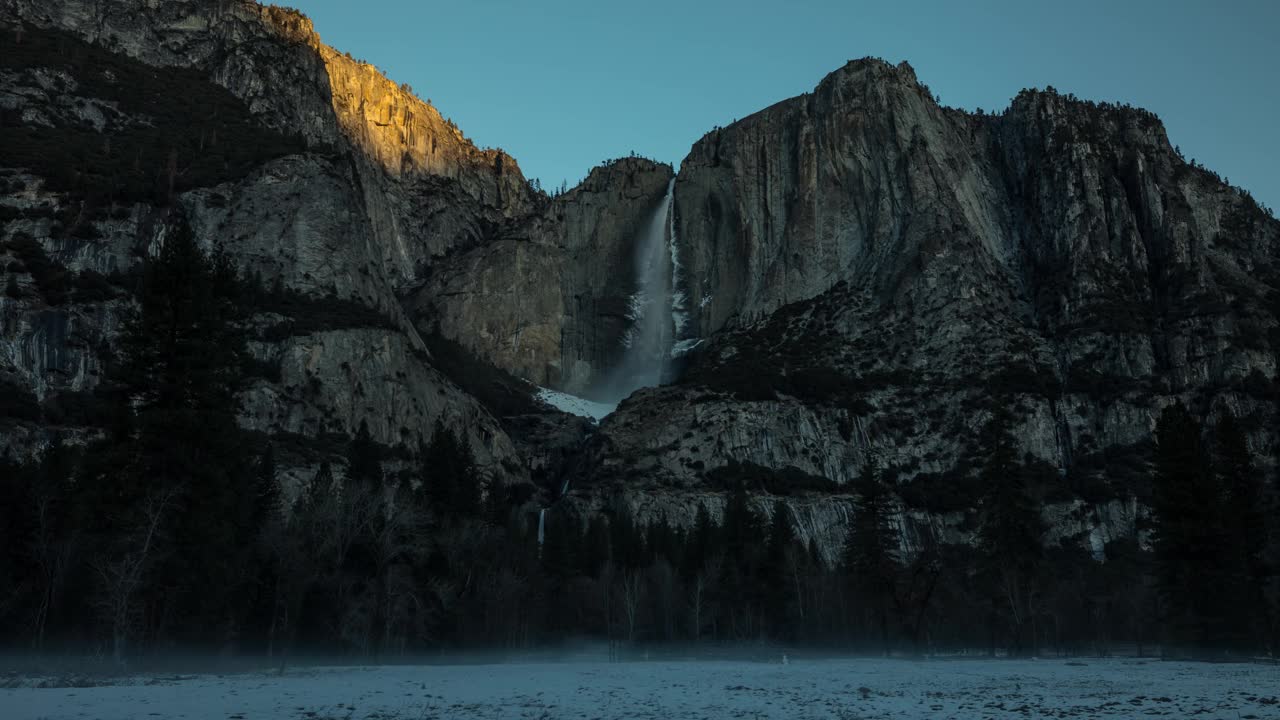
<point x="829" y="688"/>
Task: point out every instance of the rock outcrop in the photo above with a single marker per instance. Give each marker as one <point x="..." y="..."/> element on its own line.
<point x="863" y="271"/>
<point x="344" y="220"/>
<point x="549" y="299"/>
<point x="868" y="270"/>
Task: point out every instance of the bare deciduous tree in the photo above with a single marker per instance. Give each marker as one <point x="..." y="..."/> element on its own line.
<point x="399" y="535"/>
<point x="53" y="555"/>
<point x="701" y="589"/>
<point x="631" y="593"/>
<point x="662" y="579"/>
<point x="122" y="575"/>
<point x="797" y="564"/>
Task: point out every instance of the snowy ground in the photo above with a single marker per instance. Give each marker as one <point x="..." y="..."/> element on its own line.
<point x="839" y="689"/>
<point x="575" y="405"/>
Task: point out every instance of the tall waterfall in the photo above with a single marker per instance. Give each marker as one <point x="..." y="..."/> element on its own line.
<point x="648" y="342"/>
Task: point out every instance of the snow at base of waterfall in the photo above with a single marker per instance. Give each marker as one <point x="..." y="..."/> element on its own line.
<point x="575" y="405"/>
<point x="800" y="688"/>
<point x="684" y="346"/>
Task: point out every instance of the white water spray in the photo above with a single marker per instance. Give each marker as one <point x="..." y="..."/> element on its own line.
<point x="679" y="313"/>
<point x="648" y="341"/>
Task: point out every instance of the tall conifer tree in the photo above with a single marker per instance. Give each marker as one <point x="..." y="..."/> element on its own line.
<point x="1010" y="528"/>
<point x="871" y="551"/>
<point x="1188" y="535"/>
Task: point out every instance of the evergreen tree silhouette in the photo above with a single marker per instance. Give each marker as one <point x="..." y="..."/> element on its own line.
<point x="1244" y="522"/>
<point x="871" y="550"/>
<point x="364" y="461"/>
<point x="776" y="570"/>
<point x="176" y="437"/>
<point x="1010" y="528"/>
<point x="1187" y="534"/>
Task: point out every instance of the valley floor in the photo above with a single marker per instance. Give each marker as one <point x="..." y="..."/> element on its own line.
<point x="838" y="689"/>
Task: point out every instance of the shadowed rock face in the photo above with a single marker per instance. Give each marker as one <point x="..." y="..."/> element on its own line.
<point x="869" y="268"/>
<point x="389" y="208"/>
<point x="548" y="299"/>
<point x="864" y="268"/>
<point x="384" y="186"/>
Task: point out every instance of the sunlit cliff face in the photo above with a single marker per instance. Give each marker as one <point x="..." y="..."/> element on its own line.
<point x="407" y="136"/>
<point x="402" y="132"/>
<point x="396" y="129"/>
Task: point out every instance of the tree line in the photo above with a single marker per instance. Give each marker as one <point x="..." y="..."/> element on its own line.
<point x="176" y="529"/>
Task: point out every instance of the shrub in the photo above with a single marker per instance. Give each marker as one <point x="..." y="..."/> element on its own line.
<point x="954" y="490"/>
<point x="269" y="370"/>
<point x="199" y="134"/>
<point x="82" y="408"/>
<point x="1082" y="378"/>
<point x="307" y="314"/>
<point x="784" y="481"/>
<point x="91" y="286"/>
<point x="17" y="402"/>
<point x="52" y="279"/>
<point x="1021" y="377"/>
<point x="500" y="392"/>
<point x="1116" y="471"/>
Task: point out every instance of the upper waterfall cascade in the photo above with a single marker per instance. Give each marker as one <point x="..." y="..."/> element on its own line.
<point x="654" y="309"/>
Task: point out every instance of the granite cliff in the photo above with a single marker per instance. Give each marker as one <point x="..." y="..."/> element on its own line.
<point x="338" y="191"/>
<point x="862" y="270"/>
<point x="867" y="269"/>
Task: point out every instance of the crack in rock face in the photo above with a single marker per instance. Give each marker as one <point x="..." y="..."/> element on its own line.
<point x="855" y="270"/>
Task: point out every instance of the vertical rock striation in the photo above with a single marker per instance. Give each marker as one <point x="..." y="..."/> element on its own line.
<point x="869" y="269"/>
<point x="549" y="299"/>
<point x="864" y="269"/>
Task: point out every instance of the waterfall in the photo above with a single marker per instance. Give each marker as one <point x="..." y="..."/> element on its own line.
<point x="683" y="340"/>
<point x="652" y="312"/>
<point x="542" y="526"/>
<point x="679" y="312"/>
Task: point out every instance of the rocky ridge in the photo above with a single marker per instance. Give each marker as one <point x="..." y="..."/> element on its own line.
<point x="864" y="267"/>
<point x="350" y="217"/>
<point x="501" y="299"/>
<point x="869" y="269"/>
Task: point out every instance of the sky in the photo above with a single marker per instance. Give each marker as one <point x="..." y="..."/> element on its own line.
<point x="563" y="85"/>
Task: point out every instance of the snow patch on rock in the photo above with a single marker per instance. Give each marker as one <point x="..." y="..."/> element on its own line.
<point x="575" y="405"/>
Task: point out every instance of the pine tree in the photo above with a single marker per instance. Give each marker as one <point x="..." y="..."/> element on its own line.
<point x="743" y="542"/>
<point x="661" y="542"/>
<point x="777" y="586"/>
<point x="626" y="541"/>
<point x="1010" y="528"/>
<point x="702" y="543"/>
<point x="1187" y="531"/>
<point x="268" y="484"/>
<point x="497" y="503"/>
<point x="1245" y="530"/>
<point x="562" y="540"/>
<point x="742" y="531"/>
<point x="174" y="460"/>
<point x="13" y="485"/>
<point x="595" y="547"/>
<point x="449" y="477"/>
<point x="364" y="462"/>
<point x="871" y="550"/>
<point x="439" y="458"/>
<point x="467" y="482"/>
<point x="39" y="538"/>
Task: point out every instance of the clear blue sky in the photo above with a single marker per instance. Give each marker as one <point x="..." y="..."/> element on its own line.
<point x="564" y="84"/>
